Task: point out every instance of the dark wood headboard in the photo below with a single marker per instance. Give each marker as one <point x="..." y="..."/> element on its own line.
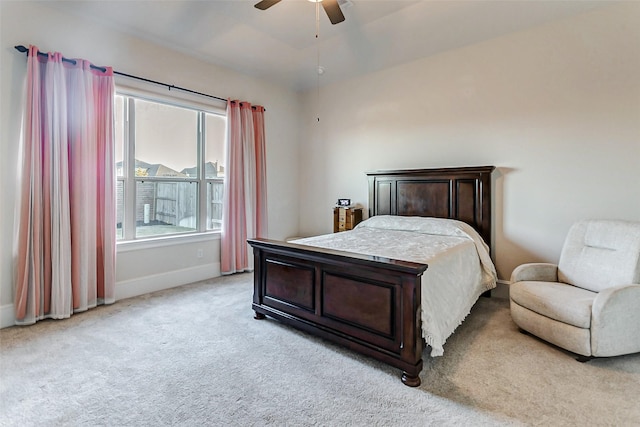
<point x="458" y="193"/>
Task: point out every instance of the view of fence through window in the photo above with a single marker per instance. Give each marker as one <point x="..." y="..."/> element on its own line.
<point x="170" y="174"/>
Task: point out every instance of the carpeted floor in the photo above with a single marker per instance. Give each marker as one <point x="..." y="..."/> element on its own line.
<point x="194" y="355"/>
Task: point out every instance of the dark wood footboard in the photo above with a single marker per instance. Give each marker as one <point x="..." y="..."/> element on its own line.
<point x="368" y="304"/>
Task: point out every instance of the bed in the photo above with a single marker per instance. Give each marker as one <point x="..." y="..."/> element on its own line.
<point x="362" y="290"/>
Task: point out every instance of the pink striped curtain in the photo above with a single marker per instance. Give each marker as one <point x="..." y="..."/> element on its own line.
<point x="245" y="187"/>
<point x="65" y="257"/>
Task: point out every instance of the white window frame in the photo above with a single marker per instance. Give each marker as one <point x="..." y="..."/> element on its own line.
<point x="176" y="99"/>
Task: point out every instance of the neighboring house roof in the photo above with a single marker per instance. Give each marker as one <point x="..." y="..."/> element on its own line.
<point x="210" y="168"/>
<point x="153" y="169"/>
<point x="162" y="170"/>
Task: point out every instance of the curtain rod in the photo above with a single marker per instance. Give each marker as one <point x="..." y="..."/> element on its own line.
<point x="22" y="49"/>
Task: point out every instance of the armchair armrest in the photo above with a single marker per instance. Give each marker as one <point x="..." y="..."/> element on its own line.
<point x="615" y="321"/>
<point x="536" y="271"/>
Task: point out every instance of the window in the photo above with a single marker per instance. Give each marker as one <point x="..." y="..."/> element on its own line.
<point x="169" y="167"/>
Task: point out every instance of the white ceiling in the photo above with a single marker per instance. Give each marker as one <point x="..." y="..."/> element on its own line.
<point x="280" y="44"/>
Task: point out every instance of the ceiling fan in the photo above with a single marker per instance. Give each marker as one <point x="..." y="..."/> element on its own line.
<point x="331" y="7"/>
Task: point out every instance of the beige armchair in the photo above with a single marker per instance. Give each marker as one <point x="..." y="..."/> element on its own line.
<point x="589" y="303"/>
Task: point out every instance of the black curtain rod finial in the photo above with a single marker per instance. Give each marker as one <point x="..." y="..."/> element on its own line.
<point x="20" y="48"/>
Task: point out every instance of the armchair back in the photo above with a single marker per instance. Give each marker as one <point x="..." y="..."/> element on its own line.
<point x="599" y="254"/>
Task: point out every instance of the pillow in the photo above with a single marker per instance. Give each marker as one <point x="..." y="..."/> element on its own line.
<point x="439" y="227"/>
<point x="424" y="225"/>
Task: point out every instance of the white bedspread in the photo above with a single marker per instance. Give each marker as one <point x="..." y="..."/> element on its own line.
<point x="460" y="268"/>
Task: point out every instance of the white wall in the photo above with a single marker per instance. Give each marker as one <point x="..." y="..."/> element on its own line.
<point x="556" y="109"/>
<point x="139" y="268"/>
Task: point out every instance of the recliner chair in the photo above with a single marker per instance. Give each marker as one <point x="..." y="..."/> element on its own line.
<point x="589" y="303"/>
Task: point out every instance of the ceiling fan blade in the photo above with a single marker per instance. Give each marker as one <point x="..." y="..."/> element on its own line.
<point x="333" y="11"/>
<point x="265" y="4"/>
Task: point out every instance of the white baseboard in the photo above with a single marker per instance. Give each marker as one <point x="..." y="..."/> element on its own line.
<point x="140" y="286"/>
<point x="157" y="282"/>
<point x="7" y="316"/>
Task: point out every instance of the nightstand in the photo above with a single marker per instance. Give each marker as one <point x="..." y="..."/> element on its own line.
<point x="346" y="218"/>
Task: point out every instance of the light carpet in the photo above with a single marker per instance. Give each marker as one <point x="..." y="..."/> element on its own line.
<point x="194" y="356"/>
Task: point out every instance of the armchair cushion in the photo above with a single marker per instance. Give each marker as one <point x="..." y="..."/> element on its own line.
<point x="557" y="301"/>
<point x="600" y="254"/>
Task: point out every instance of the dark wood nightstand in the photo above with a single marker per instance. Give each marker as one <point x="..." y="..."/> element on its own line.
<point x="346" y="218"/>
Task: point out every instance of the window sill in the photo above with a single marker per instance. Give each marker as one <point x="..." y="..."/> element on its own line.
<point x="165" y="241"/>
